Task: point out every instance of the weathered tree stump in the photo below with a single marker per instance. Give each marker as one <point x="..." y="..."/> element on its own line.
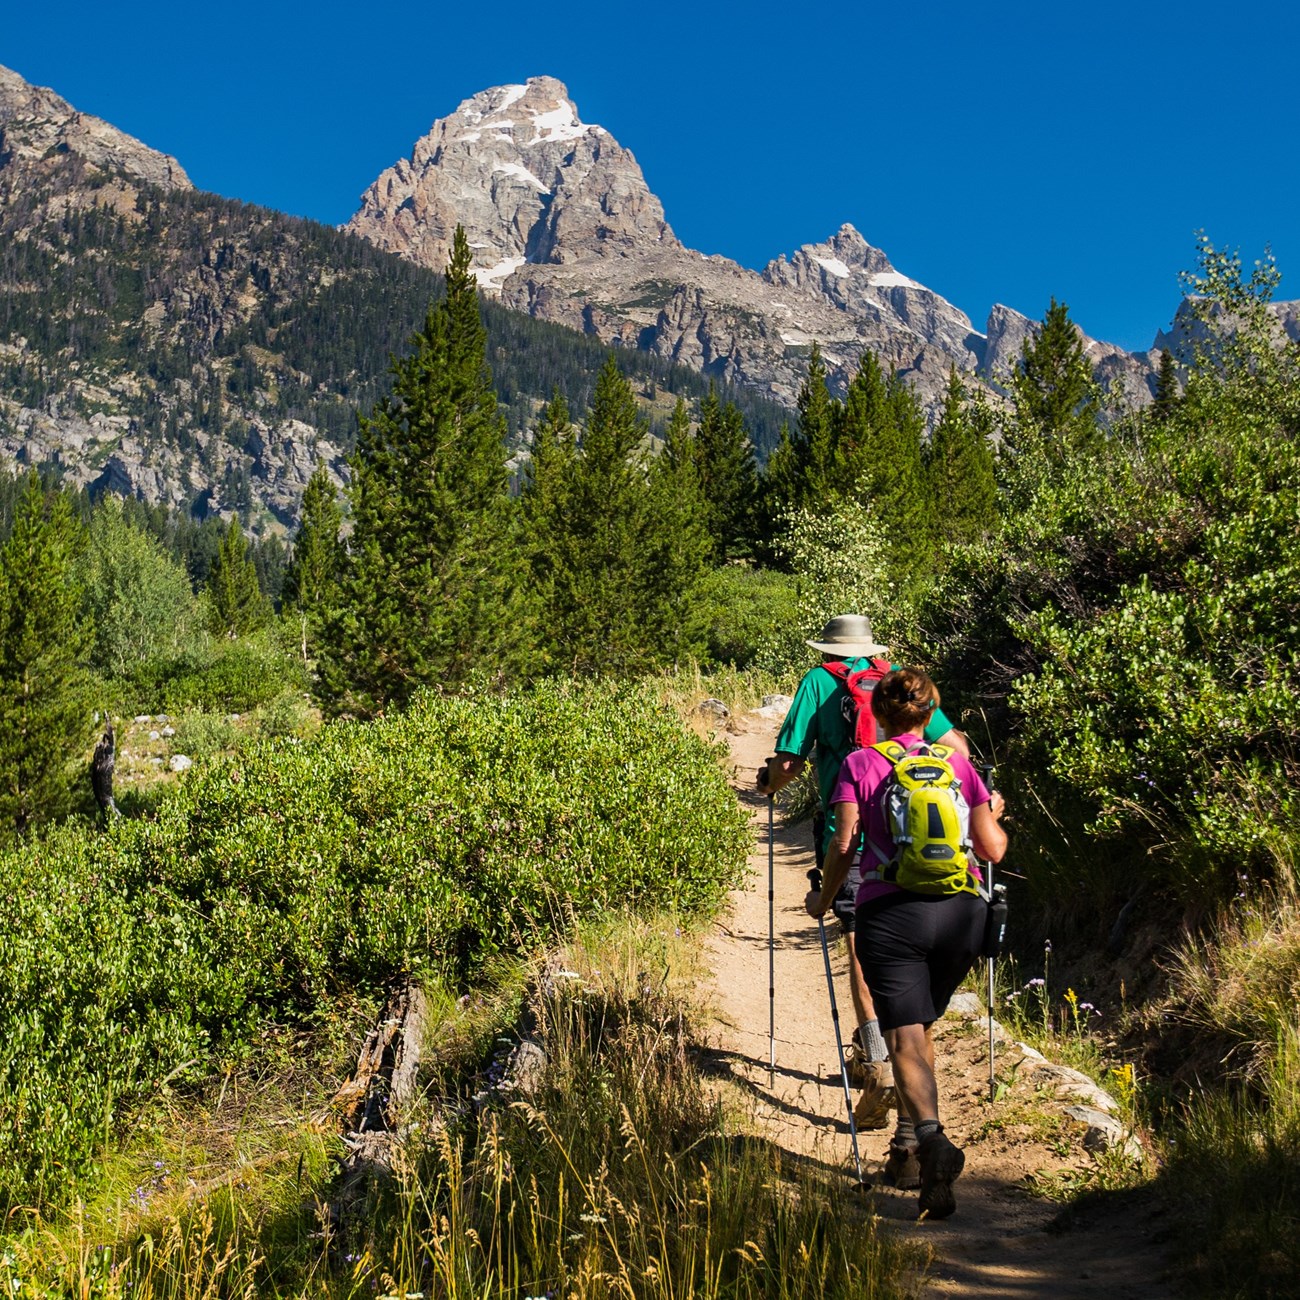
<point x="376" y="1103"/>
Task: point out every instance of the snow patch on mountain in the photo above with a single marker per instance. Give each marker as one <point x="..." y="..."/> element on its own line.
<point x="521" y="173"/>
<point x="493" y="277"/>
<point x="834" y="265"/>
<point x="560" y="123"/>
<point x="893" y="279"/>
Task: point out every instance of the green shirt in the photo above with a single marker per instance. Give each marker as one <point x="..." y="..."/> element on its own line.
<point x="816" y="718"/>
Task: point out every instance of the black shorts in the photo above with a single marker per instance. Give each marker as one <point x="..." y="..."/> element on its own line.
<point x="915" y="950"/>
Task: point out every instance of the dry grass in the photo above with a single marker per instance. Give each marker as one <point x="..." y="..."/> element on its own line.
<point x="1242" y="986"/>
<point x="618" y="1174"/>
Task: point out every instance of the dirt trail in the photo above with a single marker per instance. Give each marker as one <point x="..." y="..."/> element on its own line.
<point x="1002" y="1240"/>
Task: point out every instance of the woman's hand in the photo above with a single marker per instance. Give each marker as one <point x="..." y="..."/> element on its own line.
<point x="813" y="904"/>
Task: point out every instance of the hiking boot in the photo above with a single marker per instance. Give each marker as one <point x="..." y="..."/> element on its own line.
<point x="878" y="1096"/>
<point x="902" y="1169"/>
<point x="857" y="1064"/>
<point x="941" y="1164"/>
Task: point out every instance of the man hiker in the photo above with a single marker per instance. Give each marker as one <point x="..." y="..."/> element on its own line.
<point x="821" y="722"/>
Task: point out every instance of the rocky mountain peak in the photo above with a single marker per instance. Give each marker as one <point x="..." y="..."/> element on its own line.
<point x="527" y="178"/>
<point x="38" y="130"/>
<point x="857" y="278"/>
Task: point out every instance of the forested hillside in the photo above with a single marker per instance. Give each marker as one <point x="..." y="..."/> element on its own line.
<point x="203" y="353"/>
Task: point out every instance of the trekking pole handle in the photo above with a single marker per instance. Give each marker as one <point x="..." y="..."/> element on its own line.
<point x="815" y="879"/>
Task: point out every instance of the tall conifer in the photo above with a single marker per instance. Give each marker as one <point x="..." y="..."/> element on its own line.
<point x="236" y="605"/>
<point x="962" y="491"/>
<point x="1166" y="395"/>
<point x="45" y="706"/>
<point x="728" y="478"/>
<point x="620" y="547"/>
<point x="429" y="592"/>
<point x="311" y="585"/>
<point x="1056" y="404"/>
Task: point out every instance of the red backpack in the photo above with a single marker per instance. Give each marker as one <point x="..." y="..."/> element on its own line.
<point x="857" y="698"/>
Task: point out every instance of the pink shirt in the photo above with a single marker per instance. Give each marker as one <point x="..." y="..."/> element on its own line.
<point x="861" y="780"/>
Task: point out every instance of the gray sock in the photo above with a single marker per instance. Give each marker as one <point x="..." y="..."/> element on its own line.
<point x="904" y="1132"/>
<point x="928" y="1128"/>
<point x="872" y="1041"/>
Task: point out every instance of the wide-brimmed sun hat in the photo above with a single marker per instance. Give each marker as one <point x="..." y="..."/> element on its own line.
<point x="848" y="635"/>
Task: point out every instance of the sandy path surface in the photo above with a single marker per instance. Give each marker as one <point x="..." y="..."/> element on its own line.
<point x="1003" y="1241"/>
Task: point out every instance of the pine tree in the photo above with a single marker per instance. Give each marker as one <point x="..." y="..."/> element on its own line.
<point x="543" y="510"/>
<point x="879" y="462"/>
<point x="961" y="488"/>
<point x="311" y="583"/>
<point x="681" y="448"/>
<point x="861" y="426"/>
<point x="800" y="471"/>
<point x="728" y="478"/>
<point x="616" y="547"/>
<point x="430" y="591"/>
<point x="236" y="605"/>
<point x="1167" y="394"/>
<point x="817" y="417"/>
<point x="45" y="715"/>
<point x="1055" y="398"/>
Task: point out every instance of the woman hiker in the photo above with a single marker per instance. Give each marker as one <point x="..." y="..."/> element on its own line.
<point x="915" y="948"/>
<point x="818" y="724"/>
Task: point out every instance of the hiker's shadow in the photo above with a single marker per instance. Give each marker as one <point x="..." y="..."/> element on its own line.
<point x="721" y="1063"/>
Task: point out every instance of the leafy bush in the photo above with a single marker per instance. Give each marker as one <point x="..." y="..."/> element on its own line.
<point x="842" y="563"/>
<point x="425" y="843"/>
<point x="1133" y="631"/>
<point x="215" y="675"/>
<point x="289" y="714"/>
<point x="741" y="607"/>
<point x="204" y="735"/>
<point x="138" y="598"/>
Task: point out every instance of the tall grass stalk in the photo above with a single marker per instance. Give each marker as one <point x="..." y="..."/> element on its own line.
<point x="1234" y="1165"/>
<point x="617" y="1171"/>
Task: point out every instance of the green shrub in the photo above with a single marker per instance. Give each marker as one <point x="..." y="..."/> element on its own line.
<point x="741" y="607"/>
<point x="289" y="714"/>
<point x="213" y="675"/>
<point x="1131" y="634"/>
<point x="243" y="675"/>
<point x="425" y="842"/>
<point x="202" y="736"/>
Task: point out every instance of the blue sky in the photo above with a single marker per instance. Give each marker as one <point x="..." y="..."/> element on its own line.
<point x="1006" y="152"/>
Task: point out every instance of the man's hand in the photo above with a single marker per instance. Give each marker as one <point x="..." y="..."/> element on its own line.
<point x="778" y="772"/>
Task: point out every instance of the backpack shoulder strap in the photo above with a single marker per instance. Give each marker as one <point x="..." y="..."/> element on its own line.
<point x="837" y="669"/>
<point x="891" y="750"/>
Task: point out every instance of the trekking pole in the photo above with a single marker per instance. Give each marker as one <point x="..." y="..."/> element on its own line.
<point x="815" y="879"/>
<point x="771" y="951"/>
<point x="993" y="938"/>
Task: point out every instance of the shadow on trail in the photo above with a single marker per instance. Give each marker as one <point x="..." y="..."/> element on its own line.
<point x="730" y="1065"/>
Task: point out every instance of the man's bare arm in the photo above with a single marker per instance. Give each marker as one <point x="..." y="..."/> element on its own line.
<point x="778" y="772"/>
<point x="954" y="739"/>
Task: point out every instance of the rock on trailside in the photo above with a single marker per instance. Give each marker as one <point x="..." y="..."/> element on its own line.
<point x="1003" y="1240"/>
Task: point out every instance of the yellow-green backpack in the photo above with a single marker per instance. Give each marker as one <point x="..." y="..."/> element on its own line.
<point x="928" y="820"/>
